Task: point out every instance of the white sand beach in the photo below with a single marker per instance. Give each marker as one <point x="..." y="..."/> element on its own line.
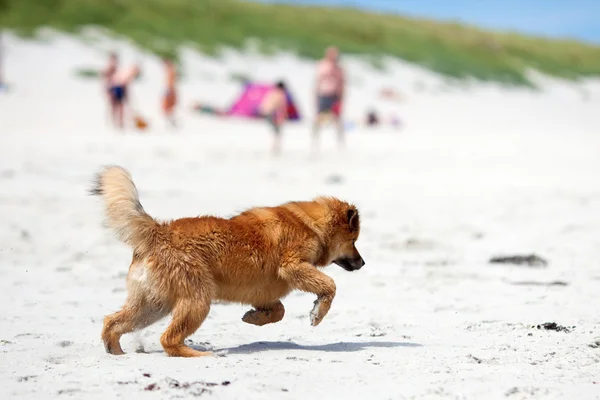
<point x="476" y="171"/>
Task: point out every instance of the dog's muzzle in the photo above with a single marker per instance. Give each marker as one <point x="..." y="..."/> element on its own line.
<point x="350" y="264"/>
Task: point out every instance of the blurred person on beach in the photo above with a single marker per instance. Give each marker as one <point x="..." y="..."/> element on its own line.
<point x="107" y="75"/>
<point x="170" y="95"/>
<point x="329" y="94"/>
<point x="119" y="88"/>
<point x="372" y="118"/>
<point x="205" y="108"/>
<point x="273" y="108"/>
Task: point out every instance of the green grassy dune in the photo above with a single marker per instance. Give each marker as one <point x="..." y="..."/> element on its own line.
<point x="450" y="49"/>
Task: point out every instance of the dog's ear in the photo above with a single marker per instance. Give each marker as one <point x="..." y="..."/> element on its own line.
<point x="352" y="216"/>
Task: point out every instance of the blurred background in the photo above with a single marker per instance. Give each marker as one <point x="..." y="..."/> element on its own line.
<point x="463" y="131"/>
<point x="397" y="51"/>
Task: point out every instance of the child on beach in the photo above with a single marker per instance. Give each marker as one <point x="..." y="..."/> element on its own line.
<point x="274" y="109"/>
<point x="107" y="75"/>
<point x="119" y="84"/>
<point x="170" y="96"/>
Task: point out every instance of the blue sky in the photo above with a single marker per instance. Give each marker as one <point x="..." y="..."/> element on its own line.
<point x="578" y="19"/>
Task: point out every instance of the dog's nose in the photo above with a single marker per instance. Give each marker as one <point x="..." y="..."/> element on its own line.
<point x="359" y="262"/>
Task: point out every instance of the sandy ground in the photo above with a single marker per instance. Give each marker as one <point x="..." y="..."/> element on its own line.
<point x="476" y="173"/>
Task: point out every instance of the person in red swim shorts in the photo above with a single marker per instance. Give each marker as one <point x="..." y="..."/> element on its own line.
<point x="329" y="93"/>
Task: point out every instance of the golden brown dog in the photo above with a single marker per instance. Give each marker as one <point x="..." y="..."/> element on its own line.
<point x="256" y="258"/>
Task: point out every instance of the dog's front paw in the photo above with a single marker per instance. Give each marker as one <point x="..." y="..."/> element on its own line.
<point x="315" y="314"/>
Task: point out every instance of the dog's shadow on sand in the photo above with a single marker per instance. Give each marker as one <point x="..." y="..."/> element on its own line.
<point x="339" y="347"/>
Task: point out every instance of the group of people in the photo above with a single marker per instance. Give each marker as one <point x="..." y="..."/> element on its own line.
<point x="328" y="96"/>
<point x="116" y="85"/>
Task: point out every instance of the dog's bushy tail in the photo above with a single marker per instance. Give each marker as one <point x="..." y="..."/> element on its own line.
<point x="125" y="214"/>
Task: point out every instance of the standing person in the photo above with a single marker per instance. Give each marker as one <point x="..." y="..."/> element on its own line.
<point x="329" y="93"/>
<point x="170" y="96"/>
<point x="273" y="108"/>
<point x="120" y="82"/>
<point x="107" y="75"/>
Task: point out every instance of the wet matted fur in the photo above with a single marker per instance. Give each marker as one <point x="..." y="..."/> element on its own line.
<point x="257" y="257"/>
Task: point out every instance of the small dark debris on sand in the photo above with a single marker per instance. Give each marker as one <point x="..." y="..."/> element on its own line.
<point x="437" y="263"/>
<point x="69" y="391"/>
<point x="535" y="283"/>
<point x="377" y="332"/>
<point x="292" y="358"/>
<point x="595" y="344"/>
<point x="147" y="375"/>
<point x="196" y="388"/>
<point x="553" y="326"/>
<point x="25" y="235"/>
<point x="126" y="382"/>
<point x="152" y="387"/>
<point x="531" y="260"/>
<point x="26" y="378"/>
<point x="334" y="179"/>
<point x="476" y="359"/>
<point x="140" y="350"/>
<point x="174" y="383"/>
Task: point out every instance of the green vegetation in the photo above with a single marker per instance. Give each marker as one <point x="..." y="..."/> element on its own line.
<point x="451" y="49"/>
<point x="93" y="73"/>
<point x="240" y="77"/>
<point x="88" y="73"/>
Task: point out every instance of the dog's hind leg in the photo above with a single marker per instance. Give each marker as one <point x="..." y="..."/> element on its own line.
<point x="262" y="315"/>
<point x="135" y="315"/>
<point x="188" y="315"/>
<point x="307" y="278"/>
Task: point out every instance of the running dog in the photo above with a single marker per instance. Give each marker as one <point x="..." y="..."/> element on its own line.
<point x="257" y="257"/>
